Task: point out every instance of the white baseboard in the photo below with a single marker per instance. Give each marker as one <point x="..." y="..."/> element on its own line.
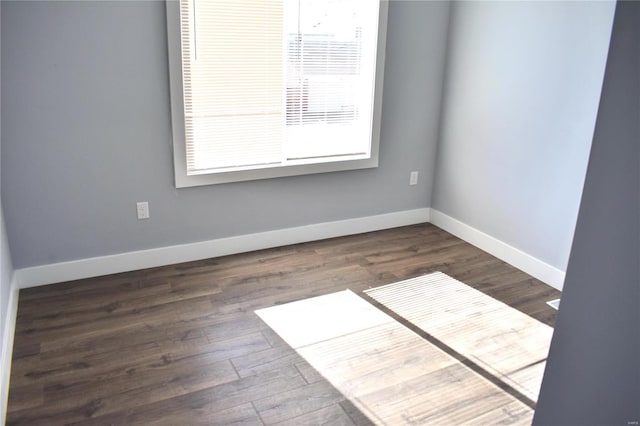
<point x="91" y="267"/>
<point x="96" y="266"/>
<point x="513" y="256"/>
<point x="7" y="347"/>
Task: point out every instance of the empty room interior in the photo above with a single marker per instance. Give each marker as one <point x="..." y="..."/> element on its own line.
<point x="307" y="212"/>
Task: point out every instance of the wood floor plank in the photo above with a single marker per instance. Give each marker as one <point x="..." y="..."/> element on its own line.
<point x="265" y="360"/>
<point x="26" y="397"/>
<point x="333" y="415"/>
<point x="357" y="417"/>
<point x="81" y="311"/>
<point x="297" y="402"/>
<point x="310" y="374"/>
<point x="135" y="389"/>
<point x="241" y="415"/>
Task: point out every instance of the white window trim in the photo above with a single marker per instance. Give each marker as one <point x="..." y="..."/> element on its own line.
<point x="182" y="180"/>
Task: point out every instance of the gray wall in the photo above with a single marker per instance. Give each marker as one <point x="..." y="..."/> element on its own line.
<point x="593" y="371"/>
<point x="523" y="81"/>
<point x="86" y="134"/>
<point x="6" y="276"/>
<point x="6" y="267"/>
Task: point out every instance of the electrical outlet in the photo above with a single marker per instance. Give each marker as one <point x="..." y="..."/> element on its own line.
<point x="143" y="210"/>
<point x="413" y="178"/>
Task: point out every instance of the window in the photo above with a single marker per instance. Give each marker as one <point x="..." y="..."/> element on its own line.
<point x="269" y="88"/>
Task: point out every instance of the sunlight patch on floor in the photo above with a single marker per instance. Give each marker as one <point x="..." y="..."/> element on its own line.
<point x="388" y="372"/>
<point x="505" y="342"/>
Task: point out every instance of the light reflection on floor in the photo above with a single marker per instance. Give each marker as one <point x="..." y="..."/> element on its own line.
<point x="395" y="376"/>
<point x="505" y="342"/>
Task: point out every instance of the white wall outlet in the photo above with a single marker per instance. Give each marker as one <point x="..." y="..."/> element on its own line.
<point x="143" y="210"/>
<point x="413" y="178"/>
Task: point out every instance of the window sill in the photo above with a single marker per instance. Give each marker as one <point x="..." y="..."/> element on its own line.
<point x="185" y="181"/>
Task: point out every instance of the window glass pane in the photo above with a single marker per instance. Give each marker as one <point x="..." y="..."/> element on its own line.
<point x="330" y="76"/>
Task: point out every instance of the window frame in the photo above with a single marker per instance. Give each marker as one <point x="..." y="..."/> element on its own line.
<point x="182" y="180"/>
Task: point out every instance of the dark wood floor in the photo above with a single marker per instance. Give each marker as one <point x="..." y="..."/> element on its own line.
<point x="181" y="344"/>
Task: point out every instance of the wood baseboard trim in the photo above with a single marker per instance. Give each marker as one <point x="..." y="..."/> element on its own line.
<point x="130" y="261"/>
<point x="503" y="251"/>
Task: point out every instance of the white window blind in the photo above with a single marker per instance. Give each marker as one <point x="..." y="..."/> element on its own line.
<point x="233" y="82"/>
<point x="273" y="83"/>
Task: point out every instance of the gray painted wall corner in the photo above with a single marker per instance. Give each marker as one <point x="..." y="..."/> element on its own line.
<point x="523" y="82"/>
